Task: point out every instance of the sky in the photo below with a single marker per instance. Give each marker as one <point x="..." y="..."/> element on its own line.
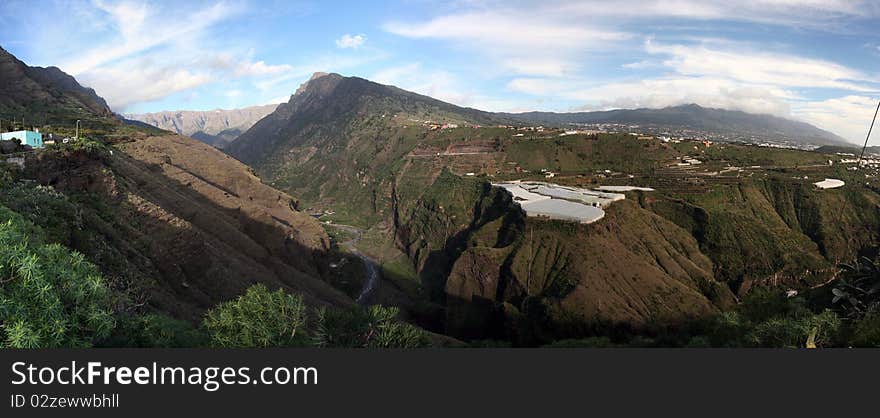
<point x="811" y="60"/>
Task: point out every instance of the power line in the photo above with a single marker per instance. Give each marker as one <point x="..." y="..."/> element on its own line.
<point x="869" y="135"/>
<point x="858" y="167"/>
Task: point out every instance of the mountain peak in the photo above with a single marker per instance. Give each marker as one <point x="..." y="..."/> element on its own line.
<point x="319" y="74"/>
<point x="46" y="94"/>
<point x="316" y="77"/>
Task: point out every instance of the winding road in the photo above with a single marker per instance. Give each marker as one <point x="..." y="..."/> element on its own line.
<point x="371" y="267"/>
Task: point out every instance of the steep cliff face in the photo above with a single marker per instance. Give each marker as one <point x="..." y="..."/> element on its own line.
<point x="504" y="276"/>
<point x="777" y="232"/>
<point x="46" y="95"/>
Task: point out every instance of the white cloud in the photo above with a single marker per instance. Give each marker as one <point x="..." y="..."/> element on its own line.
<point x="816" y="14"/>
<point x="128" y="84"/>
<point x="638" y="65"/>
<point x="761" y="67"/>
<point x="140" y="27"/>
<point x="351" y="41"/>
<point x="663" y="92"/>
<point x="441" y="85"/>
<point x="277" y="100"/>
<point x="522" y="42"/>
<point x="506" y="30"/>
<point x="323" y="63"/>
<point x="151" y="55"/>
<point x="723" y="75"/>
<point x="438" y="84"/>
<point x="847" y="116"/>
<point x="225" y="62"/>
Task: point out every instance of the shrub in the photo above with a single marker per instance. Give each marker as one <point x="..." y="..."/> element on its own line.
<point x="50" y="296"/>
<point x="259" y="318"/>
<point x="821" y="329"/>
<point x="866" y="332"/>
<point x="858" y="292"/>
<point x="372" y="327"/>
<point x="155" y="330"/>
<point x="591" y="342"/>
<point x="44" y="206"/>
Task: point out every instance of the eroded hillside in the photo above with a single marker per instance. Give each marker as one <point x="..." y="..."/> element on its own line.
<point x="504" y="276"/>
<point x="184" y="226"/>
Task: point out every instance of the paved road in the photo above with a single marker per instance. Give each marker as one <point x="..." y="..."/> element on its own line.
<point x="371" y="267"/>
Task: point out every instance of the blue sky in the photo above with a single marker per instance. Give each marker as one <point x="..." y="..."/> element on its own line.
<point x="812" y="60"/>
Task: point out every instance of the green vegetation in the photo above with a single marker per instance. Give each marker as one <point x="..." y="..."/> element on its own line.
<point x="89" y="145"/>
<point x="261" y="318"/>
<point x="738" y="155"/>
<point x="769" y="226"/>
<point x="858" y="292"/>
<point x="767" y="318"/>
<point x="154" y="330"/>
<point x="50" y="296"/>
<point x="844" y="314"/>
<point x="372" y="327"/>
<point x="579" y="154"/>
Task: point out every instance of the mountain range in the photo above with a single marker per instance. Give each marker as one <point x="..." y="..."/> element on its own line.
<point x="175" y="224"/>
<point x="460" y="258"/>
<point x="220" y="127"/>
<point x="46" y="96"/>
<point x="709" y="121"/>
<point x="404" y="182"/>
<point x="214" y="127"/>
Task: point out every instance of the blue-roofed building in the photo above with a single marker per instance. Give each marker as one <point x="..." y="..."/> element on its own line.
<point x="32" y="138"/>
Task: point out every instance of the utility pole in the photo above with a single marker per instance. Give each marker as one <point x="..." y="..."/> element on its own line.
<point x="77" y="129"/>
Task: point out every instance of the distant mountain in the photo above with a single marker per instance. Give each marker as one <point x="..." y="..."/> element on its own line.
<point x="334" y="99"/>
<point x="694" y="117"/>
<point x="213" y="127"/>
<point x="177" y="224"/>
<point x="849" y="149"/>
<point x="378" y="157"/>
<point x="43" y="96"/>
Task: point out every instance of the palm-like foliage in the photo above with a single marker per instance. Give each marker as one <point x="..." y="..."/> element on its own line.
<point x="858" y="291"/>
<point x="49" y="295"/>
<point x="261" y="318"/>
<point x="372" y="327"/>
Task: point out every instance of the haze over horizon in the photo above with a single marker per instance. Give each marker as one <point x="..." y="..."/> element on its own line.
<point x="802" y="59"/>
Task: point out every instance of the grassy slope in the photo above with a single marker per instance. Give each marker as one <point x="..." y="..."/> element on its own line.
<point x="180" y="224"/>
<point x="658" y="261"/>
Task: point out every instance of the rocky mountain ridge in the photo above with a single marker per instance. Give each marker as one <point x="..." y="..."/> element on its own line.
<point x="216" y="127"/>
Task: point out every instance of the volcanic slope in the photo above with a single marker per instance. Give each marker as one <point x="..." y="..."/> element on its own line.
<point x="43" y="96"/>
<point x="173" y="223"/>
<point x="355" y="147"/>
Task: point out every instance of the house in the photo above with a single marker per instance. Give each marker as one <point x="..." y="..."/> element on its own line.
<point x="32" y="138"/>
